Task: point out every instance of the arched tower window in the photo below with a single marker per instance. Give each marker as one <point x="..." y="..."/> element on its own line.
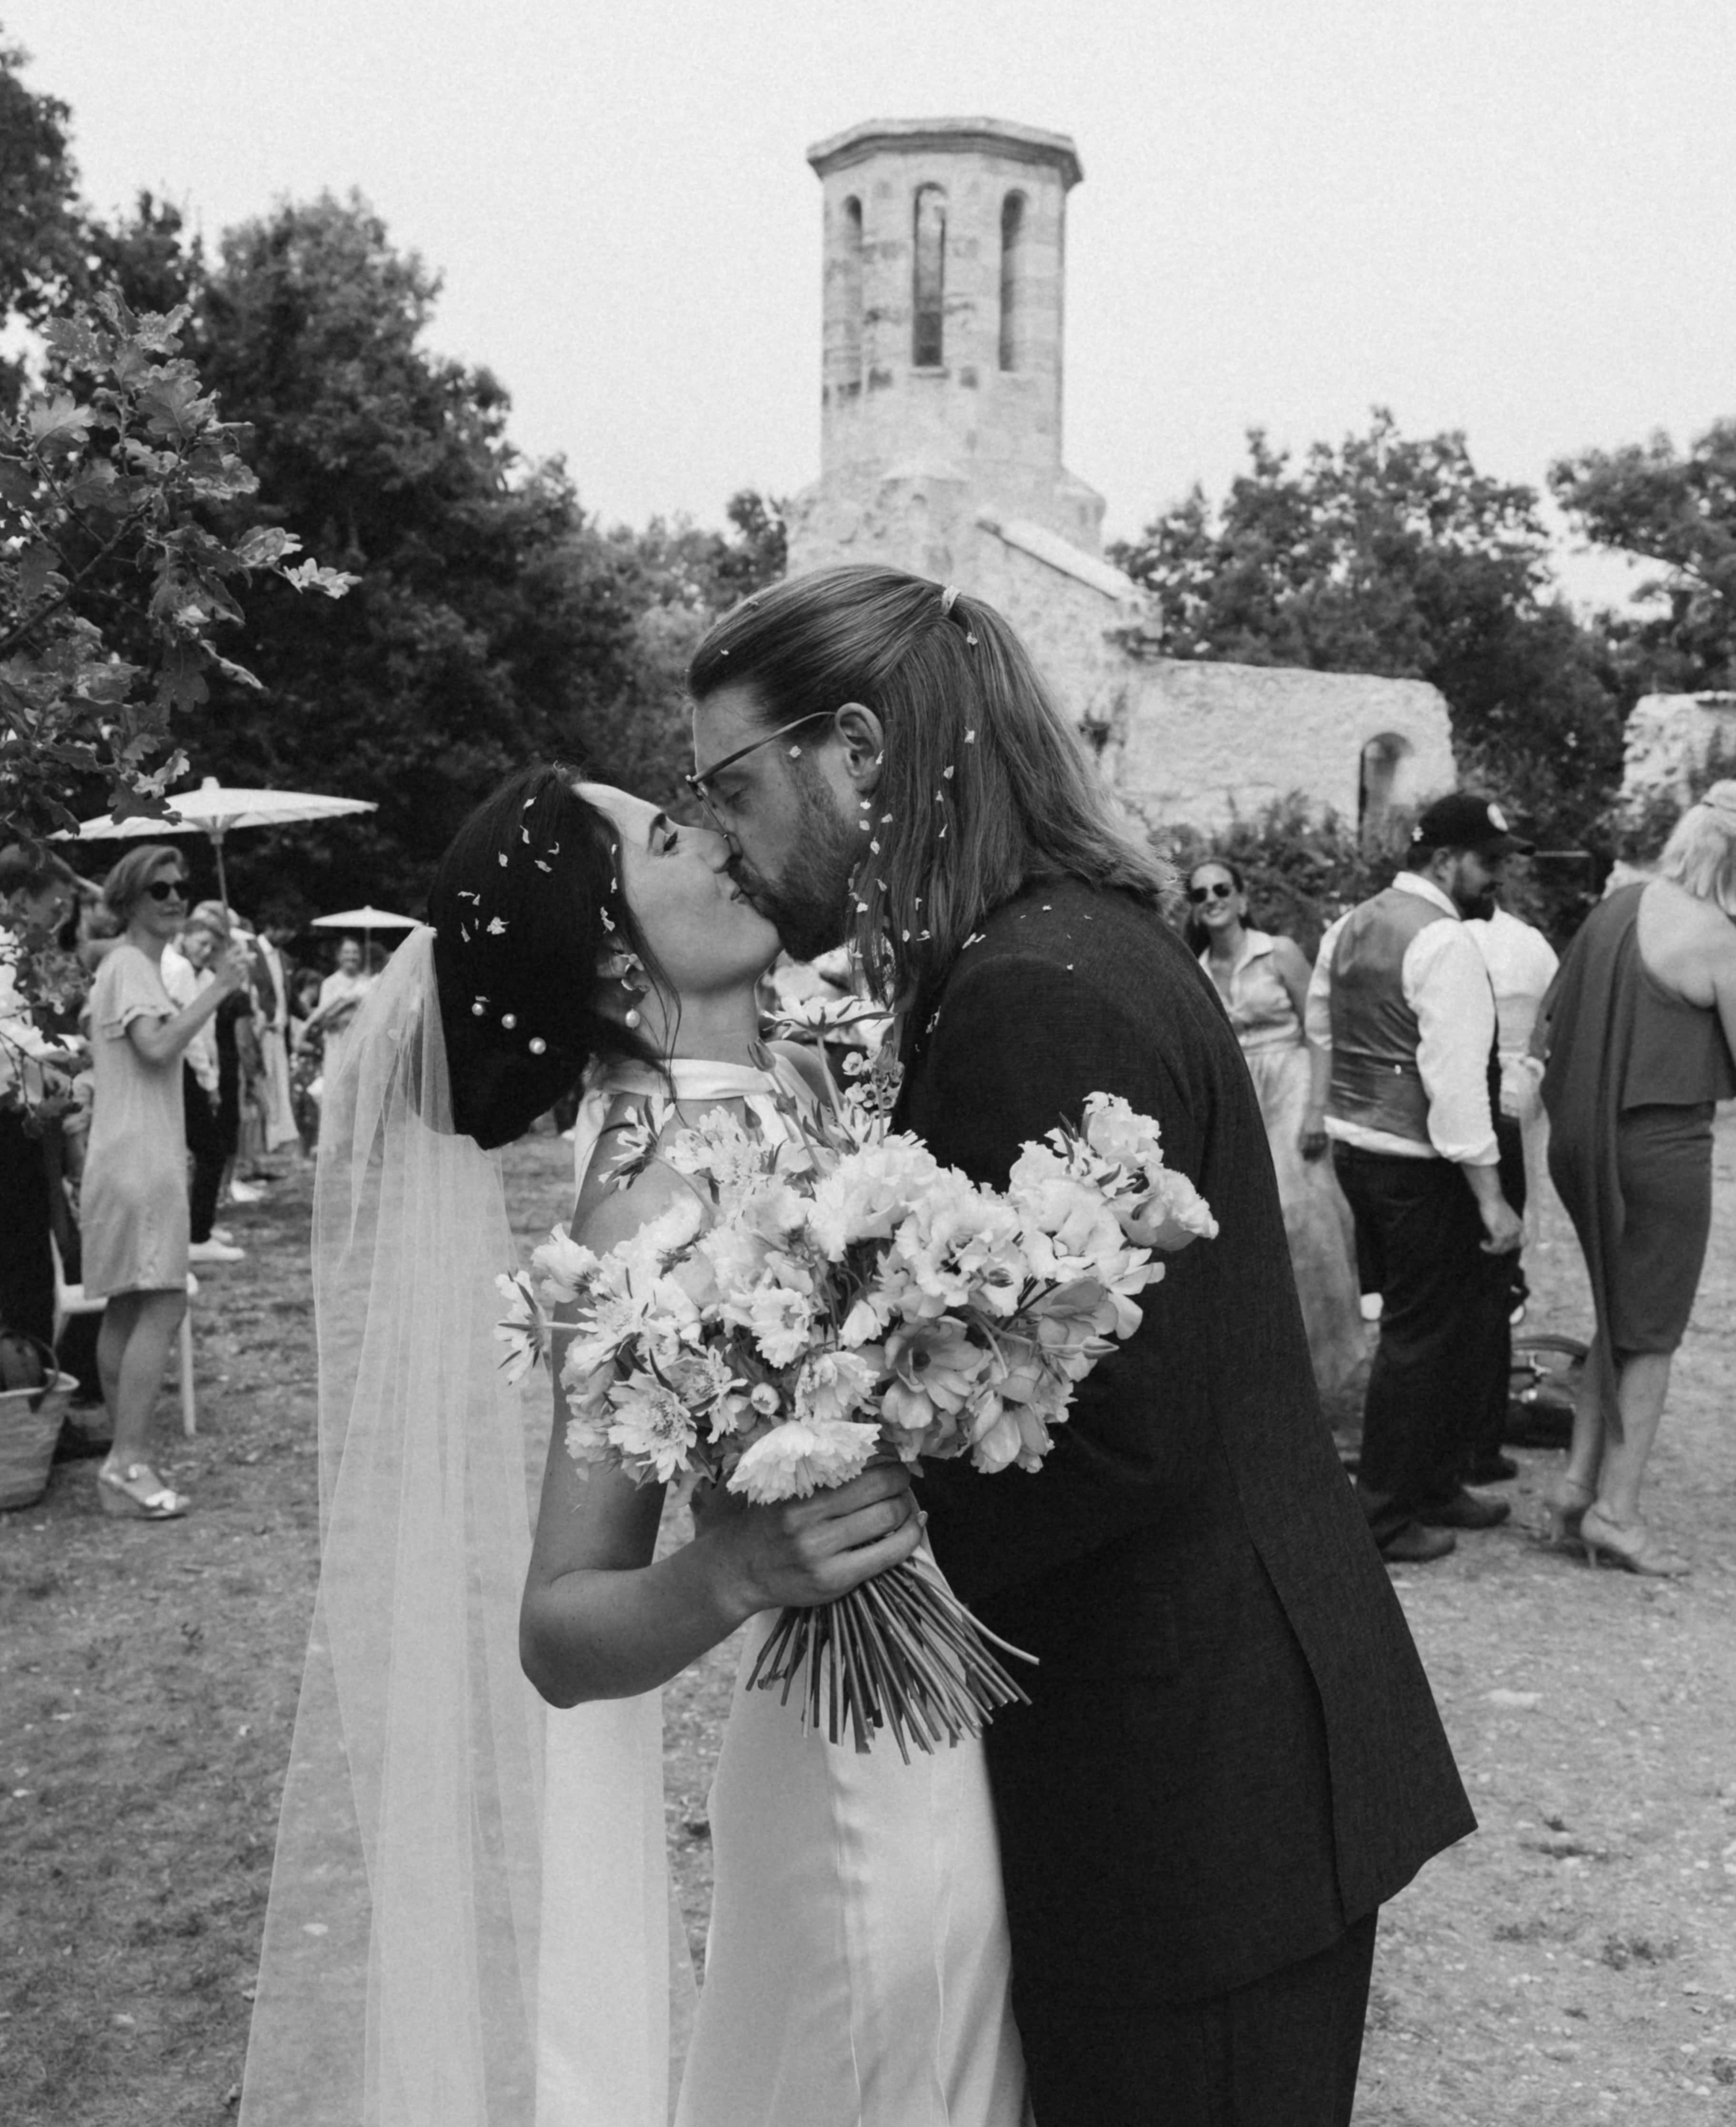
<point x="849" y="296"/>
<point x="1012" y="278"/>
<point x="928" y="279"/>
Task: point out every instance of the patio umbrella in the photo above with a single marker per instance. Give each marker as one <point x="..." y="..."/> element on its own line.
<point x="364" y="920"/>
<point x="215" y="809"/>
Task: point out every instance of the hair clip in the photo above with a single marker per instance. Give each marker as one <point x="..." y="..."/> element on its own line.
<point x="949" y="599"/>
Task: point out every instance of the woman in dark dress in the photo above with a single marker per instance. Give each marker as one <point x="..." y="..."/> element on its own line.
<point x="1639" y="1031"/>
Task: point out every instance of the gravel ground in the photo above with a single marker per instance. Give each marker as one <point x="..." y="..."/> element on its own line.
<point x="1574" y="1961"/>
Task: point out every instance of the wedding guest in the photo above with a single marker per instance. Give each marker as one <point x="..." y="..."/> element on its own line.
<point x="340" y="997"/>
<point x="237" y="1056"/>
<point x="1400" y="1001"/>
<point x="1521" y="963"/>
<point x="134" y="1208"/>
<point x="36" y="895"/>
<point x="1638" y="1033"/>
<point x="186" y="972"/>
<point x="1263" y="982"/>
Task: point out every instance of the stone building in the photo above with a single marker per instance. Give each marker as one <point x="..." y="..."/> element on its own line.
<point x="941" y="452"/>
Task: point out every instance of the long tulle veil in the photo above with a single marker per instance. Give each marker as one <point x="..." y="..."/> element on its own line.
<point x="408" y="1976"/>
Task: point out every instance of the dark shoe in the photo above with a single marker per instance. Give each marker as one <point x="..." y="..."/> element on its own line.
<point x="1495" y="1469"/>
<point x="1464" y="1510"/>
<point x="1414" y="1545"/>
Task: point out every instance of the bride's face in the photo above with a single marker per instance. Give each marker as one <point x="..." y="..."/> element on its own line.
<point x="705" y="936"/>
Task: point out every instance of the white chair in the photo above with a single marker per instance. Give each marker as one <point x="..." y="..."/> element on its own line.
<point x="71" y="1300"/>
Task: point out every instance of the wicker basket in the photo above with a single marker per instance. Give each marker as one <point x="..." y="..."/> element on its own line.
<point x="30" y="1425"/>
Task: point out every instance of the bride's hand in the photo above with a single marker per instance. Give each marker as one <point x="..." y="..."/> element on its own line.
<point x="811" y="1551"/>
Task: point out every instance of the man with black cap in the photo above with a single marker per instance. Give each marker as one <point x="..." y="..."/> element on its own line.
<point x="1401" y="1000"/>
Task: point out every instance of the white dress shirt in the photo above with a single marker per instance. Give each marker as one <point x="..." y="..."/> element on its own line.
<point x="1446" y="984"/>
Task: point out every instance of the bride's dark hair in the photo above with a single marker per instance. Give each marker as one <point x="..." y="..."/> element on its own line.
<point x="526" y="906"/>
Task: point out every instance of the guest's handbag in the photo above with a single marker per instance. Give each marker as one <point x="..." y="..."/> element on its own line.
<point x="33" y="1393"/>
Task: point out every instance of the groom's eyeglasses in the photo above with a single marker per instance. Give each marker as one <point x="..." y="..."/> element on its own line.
<point x="1219" y="890"/>
<point x="699" y="783"/>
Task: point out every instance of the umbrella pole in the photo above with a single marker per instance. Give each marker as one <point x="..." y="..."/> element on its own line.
<point x="222" y="881"/>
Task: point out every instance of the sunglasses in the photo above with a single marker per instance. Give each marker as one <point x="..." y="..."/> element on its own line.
<point x="1219" y="890"/>
<point x="167" y="889"/>
<point x="699" y="782"/>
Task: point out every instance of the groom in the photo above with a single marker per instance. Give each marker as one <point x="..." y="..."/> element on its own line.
<point x="1231" y="1756"/>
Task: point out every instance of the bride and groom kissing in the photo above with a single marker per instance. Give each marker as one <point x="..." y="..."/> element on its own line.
<point x="1151" y="1893"/>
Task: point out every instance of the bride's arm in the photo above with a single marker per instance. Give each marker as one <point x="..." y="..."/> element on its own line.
<point x="601" y="1618"/>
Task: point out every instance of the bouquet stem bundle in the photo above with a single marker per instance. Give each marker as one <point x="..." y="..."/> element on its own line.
<point x="900" y="1652"/>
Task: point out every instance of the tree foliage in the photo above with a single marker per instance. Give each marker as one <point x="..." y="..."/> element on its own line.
<point x="108" y="493"/>
<point x="1396" y="556"/>
<point x="42" y="260"/>
<point x="1677" y="509"/>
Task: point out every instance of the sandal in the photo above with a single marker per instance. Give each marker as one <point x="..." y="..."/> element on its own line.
<point x="1564" y="1506"/>
<point x="1630" y="1545"/>
<point x="135" y="1492"/>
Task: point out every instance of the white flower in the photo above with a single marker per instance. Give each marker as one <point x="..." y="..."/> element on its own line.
<point x="807" y="1455"/>
<point x="765" y="1399"/>
<point x="650" y="1426"/>
<point x="869" y="1192"/>
<point x="566" y="1267"/>
<point x="1114" y="1133"/>
<point x="779" y="1320"/>
<point x="833" y="1384"/>
<point x="523" y="1332"/>
<point x="1174" y="1213"/>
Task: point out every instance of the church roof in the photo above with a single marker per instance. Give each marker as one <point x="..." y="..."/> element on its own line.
<point x="948" y="137"/>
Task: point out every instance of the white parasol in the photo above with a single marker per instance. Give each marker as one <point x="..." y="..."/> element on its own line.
<point x="364" y="920"/>
<point x="217" y="809"/>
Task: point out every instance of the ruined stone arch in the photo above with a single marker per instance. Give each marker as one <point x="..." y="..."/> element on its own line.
<point x="1382" y="787"/>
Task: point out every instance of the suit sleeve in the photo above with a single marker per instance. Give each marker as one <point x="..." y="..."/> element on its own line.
<point x="1018" y="1046"/>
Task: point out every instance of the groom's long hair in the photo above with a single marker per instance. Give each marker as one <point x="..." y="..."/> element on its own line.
<point x="987" y="788"/>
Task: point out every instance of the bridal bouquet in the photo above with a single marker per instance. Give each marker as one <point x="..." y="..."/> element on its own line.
<point x="837" y="1295"/>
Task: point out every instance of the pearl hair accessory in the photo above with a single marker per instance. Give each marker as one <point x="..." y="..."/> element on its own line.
<point x="537" y="1045"/>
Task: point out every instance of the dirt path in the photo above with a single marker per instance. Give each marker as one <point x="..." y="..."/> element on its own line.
<point x="1576" y="1961"/>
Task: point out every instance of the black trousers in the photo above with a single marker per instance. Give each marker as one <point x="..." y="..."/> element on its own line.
<point x="204" y="1143"/>
<point x="1442" y="1350"/>
<point x="26" y="1265"/>
<point x="1491" y="1430"/>
<point x="1281" y="2051"/>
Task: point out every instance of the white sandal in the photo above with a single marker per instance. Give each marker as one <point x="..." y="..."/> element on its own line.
<point x="135" y="1492"/>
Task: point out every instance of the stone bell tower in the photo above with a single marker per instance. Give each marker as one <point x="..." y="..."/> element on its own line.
<point x="941" y="392"/>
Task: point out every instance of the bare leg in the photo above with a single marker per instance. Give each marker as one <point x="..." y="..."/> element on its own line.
<point x="119" y="1318"/>
<point x="1585" y="1457"/>
<point x="1641" y="1385"/>
<point x="143" y="1362"/>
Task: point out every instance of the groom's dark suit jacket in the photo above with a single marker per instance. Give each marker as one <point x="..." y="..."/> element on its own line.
<point x="1232" y="1751"/>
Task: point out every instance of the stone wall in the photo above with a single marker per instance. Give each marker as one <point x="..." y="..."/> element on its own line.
<point x="1669" y="738"/>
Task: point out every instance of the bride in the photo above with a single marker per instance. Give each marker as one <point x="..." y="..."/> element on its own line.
<point x="470" y="1921"/>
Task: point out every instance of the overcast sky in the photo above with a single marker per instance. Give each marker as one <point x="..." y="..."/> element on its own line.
<point x="1511" y="216"/>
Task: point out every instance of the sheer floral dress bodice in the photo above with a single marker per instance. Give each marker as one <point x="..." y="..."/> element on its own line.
<point x="856" y="1967"/>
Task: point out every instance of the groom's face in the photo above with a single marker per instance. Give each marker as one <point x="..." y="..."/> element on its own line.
<point x="787" y="808"/>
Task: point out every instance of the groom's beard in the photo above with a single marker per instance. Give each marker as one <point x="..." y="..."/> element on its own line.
<point x="810" y="904"/>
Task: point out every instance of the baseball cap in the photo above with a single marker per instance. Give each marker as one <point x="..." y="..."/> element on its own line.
<point x="1463" y="820"/>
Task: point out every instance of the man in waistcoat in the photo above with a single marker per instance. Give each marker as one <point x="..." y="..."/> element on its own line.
<point x="1401" y="1000"/>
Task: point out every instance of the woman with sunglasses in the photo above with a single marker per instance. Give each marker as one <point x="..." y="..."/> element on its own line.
<point x="133" y="1208"/>
<point x="1263" y="980"/>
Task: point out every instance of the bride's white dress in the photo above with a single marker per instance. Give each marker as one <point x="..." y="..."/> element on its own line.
<point x="857" y="1962"/>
